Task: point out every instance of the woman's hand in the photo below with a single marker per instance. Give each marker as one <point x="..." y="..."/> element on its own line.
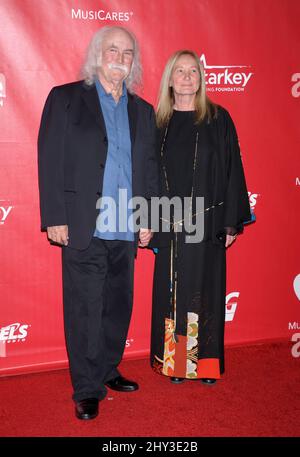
<point x="229" y="240"/>
<point x="145" y="237"/>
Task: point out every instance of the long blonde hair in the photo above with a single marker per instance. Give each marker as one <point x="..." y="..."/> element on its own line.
<point x="203" y="105"/>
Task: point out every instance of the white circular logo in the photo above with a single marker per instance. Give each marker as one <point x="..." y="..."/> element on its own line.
<point x="297" y="286"/>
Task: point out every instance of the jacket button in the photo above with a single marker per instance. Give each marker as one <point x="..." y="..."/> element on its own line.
<point x="101" y="165"/>
<point x="105" y="140"/>
<point x="98" y="194"/>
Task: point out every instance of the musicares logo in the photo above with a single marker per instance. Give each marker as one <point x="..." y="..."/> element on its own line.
<point x="101" y="15"/>
<point x="226" y="78"/>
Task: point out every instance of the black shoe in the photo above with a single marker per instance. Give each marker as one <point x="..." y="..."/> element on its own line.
<point x="175" y="380"/>
<point x="208" y="381"/>
<point x="122" y="385"/>
<point x="87" y="409"/>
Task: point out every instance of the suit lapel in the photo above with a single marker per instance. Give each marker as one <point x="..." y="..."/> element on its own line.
<point x="90" y="96"/>
<point x="132" y="116"/>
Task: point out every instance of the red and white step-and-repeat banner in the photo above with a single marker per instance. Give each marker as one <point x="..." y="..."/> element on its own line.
<point x="250" y="51"/>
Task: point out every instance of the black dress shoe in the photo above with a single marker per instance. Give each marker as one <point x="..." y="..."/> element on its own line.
<point x="175" y="380"/>
<point x="122" y="385"/>
<point x="208" y="381"/>
<point x="87" y="409"/>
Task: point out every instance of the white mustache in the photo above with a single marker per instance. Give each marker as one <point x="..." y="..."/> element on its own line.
<point x="118" y="66"/>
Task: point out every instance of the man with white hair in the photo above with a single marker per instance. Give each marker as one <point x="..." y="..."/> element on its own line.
<point x="96" y="138"/>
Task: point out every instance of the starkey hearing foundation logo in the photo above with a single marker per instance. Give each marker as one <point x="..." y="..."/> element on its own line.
<point x="295" y="90"/>
<point x="5" y="209"/>
<point x="101" y="15"/>
<point x="2" y="89"/>
<point x="226" y="78"/>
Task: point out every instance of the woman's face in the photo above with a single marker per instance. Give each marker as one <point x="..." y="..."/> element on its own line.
<point x="185" y="78"/>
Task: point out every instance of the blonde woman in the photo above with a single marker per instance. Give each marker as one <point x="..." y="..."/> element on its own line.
<point x="199" y="157"/>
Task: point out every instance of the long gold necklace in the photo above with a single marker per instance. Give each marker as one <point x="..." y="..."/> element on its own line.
<point x="174" y="229"/>
<point x="174" y="226"/>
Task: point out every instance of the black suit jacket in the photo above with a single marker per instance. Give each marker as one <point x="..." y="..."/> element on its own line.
<point x="72" y="149"/>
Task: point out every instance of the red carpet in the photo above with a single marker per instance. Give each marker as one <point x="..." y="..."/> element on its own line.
<point x="258" y="396"/>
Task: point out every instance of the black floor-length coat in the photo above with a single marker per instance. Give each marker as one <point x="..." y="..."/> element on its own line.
<point x="189" y="287"/>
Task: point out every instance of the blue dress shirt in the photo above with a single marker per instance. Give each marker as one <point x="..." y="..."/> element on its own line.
<point x="112" y="222"/>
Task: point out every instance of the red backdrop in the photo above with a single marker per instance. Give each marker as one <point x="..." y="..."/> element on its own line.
<point x="250" y="50"/>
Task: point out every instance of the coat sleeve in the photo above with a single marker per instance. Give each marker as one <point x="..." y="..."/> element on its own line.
<point x="237" y="208"/>
<point x="51" y="160"/>
<point x="152" y="164"/>
<point x="152" y="173"/>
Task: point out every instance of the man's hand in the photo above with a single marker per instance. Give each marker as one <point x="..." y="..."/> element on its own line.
<point x="58" y="234"/>
<point x="145" y="236"/>
<point x="229" y="240"/>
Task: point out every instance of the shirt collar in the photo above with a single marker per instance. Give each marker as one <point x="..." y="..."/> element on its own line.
<point x="102" y="92"/>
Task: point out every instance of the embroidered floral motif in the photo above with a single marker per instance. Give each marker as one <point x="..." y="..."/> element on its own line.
<point x="192" y="345"/>
<point x="169" y="349"/>
<point x="157" y="365"/>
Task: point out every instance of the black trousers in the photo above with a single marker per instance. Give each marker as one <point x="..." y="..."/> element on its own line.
<point x="98" y="296"/>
